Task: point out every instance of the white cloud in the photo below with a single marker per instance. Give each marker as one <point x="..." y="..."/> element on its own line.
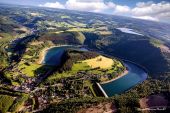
<point x="89" y="0"/>
<point x="53" y="5"/>
<point x="86" y="5"/>
<point x="142" y="10"/>
<point x="117" y="9"/>
<point x="144" y="4"/>
<point x="121" y="9"/>
<point x="152" y="11"/>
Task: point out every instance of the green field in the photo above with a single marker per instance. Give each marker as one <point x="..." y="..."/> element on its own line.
<point x="75" y="68"/>
<point x="5" y="37"/>
<point x="156" y="43"/>
<point x="82" y="29"/>
<point x="80" y="36"/>
<point x="65" y="16"/>
<point x="12" y="103"/>
<point x="78" y="24"/>
<point x="83" y="66"/>
<point x="89" y="84"/>
<point x="5" y="103"/>
<point x="29" y="69"/>
<point x="4" y="41"/>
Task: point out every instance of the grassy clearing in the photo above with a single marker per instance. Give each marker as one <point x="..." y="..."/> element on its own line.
<point x="105" y="32"/>
<point x="156" y="43"/>
<point x="55" y="24"/>
<point x="100" y="61"/>
<point x="5" y="37"/>
<point x="89" y="84"/>
<point x="29" y="62"/>
<point x="78" y="24"/>
<point x="80" y="36"/>
<point x="82" y="29"/>
<point x="4" y="41"/>
<point x="15" y="83"/>
<point x="5" y="103"/>
<point x="89" y="65"/>
<point x="34" y="43"/>
<point x="27" y="57"/>
<point x="64" y="24"/>
<point x="58" y="32"/>
<point x="75" y="68"/>
<point x="80" y="66"/>
<point x="65" y="16"/>
<point x="19" y="102"/>
<point x="100" y="66"/>
<point x="28" y="68"/>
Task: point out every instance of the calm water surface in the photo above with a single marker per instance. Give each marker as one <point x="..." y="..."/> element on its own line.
<point x="135" y="76"/>
<point x="54" y="55"/>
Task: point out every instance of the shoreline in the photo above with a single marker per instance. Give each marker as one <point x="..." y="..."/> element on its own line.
<point x="42" y="55"/>
<point x="44" y="51"/>
<point x="121" y="75"/>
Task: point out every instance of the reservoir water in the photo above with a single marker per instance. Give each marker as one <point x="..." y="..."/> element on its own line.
<point x="53" y="55"/>
<point x="135" y="76"/>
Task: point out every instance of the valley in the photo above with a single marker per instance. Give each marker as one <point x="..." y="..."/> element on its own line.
<point x="69" y="61"/>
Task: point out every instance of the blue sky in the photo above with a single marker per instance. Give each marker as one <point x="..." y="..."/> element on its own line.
<point x="130" y="3"/>
<point x="156" y="10"/>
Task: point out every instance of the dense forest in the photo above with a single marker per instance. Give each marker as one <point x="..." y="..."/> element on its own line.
<point x="72" y="56"/>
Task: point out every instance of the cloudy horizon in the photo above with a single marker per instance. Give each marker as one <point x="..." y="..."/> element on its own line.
<point x="142" y="9"/>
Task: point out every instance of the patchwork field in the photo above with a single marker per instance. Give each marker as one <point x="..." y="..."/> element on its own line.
<point x="99" y="65"/>
<point x="100" y="61"/>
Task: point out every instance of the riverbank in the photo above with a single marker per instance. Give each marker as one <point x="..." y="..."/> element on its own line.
<point x="121" y="75"/>
<point x="135" y="75"/>
<point x="42" y="54"/>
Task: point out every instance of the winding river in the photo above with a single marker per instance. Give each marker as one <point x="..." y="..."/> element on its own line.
<point x="135" y="75"/>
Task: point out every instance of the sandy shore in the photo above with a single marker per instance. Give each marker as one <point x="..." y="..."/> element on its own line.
<point x="121" y="75"/>
<point x="42" y="55"/>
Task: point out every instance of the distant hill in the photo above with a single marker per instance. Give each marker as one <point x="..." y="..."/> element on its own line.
<point x="95" y="30"/>
<point x="139" y="49"/>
